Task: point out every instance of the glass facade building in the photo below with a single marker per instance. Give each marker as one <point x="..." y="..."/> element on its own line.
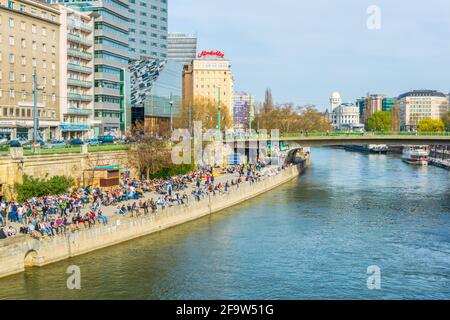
<point x="155" y="85"/>
<point x="182" y="47"/>
<point x="148" y="28"/>
<point x="388" y="104"/>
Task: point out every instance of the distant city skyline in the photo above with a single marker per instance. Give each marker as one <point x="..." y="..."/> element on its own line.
<point x="305" y="50"/>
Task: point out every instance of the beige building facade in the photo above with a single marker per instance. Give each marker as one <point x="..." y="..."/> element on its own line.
<point x="421" y="104"/>
<point x="29" y="42"/>
<point x="209" y="77"/>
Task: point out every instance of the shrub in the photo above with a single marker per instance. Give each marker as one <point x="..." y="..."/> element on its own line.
<point x="173" y="171"/>
<point x="34" y="187"/>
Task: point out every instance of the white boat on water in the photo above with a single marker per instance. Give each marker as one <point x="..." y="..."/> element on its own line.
<point x="416" y="155"/>
<point x="378" y="148"/>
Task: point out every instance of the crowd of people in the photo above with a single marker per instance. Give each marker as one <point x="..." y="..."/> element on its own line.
<point x="84" y="207"/>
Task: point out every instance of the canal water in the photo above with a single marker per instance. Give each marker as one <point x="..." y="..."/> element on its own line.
<point x="312" y="238"/>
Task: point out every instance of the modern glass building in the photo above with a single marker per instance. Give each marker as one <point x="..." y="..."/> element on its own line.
<point x="155" y="86"/>
<point x="388" y="104"/>
<point x="182" y="47"/>
<point x="361" y="104"/>
<point x="148" y="28"/>
<point x="111" y="57"/>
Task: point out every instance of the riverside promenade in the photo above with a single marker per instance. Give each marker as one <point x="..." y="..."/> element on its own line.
<point x="18" y="253"/>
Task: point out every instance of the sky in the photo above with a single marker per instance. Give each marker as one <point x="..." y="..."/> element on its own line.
<point x="306" y="49"/>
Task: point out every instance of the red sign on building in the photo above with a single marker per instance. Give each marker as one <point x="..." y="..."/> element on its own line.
<point x="211" y="53"/>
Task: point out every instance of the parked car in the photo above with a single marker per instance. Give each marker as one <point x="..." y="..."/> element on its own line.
<point x="57" y="144"/>
<point x="15" y="144"/>
<point x="94" y="142"/>
<point x="3" y="141"/>
<point x="76" y="142"/>
<point x="107" y="139"/>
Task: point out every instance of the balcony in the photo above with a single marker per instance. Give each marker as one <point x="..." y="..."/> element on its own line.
<point x="80" y="25"/>
<point x="79" y="97"/>
<point x="81" y="112"/>
<point x="83" y="41"/>
<point x="79" y="83"/>
<point x="79" y="68"/>
<point x="79" y="54"/>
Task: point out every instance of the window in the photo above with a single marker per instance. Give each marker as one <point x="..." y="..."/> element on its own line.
<point x="11" y="76"/>
<point x="33" y="28"/>
<point x="11" y="22"/>
<point x="11" y="40"/>
<point x="23" y="77"/>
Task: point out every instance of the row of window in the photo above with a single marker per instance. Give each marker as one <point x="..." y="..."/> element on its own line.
<point x="23" y="61"/>
<point x="107" y="114"/>
<point x="23" y="27"/>
<point x="31" y="10"/>
<point x="26" y="113"/>
<point x="23" y="78"/>
<point x="23" y="44"/>
<point x="24" y="95"/>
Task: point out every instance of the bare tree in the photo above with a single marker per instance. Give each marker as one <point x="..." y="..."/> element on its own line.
<point x="151" y="150"/>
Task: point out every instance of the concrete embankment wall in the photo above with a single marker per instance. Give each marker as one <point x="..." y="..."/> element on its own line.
<point x="12" y="169"/>
<point x="17" y="253"/>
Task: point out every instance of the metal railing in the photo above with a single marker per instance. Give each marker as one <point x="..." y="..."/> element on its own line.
<point x="80" y="54"/>
<point x="79" y="68"/>
<point x="365" y="134"/>
<point x="76" y="38"/>
<point x="79" y="83"/>
<point x="76" y="111"/>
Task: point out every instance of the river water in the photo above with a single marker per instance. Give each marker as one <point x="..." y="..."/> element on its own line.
<point x="312" y="238"/>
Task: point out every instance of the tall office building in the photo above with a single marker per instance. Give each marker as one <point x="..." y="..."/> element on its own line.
<point x="111" y="57"/>
<point x="370" y="104"/>
<point x="182" y="47"/>
<point x="29" y="41"/>
<point x="148" y="28"/>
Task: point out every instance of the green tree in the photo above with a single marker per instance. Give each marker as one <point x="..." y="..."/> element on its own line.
<point x="380" y="121"/>
<point x="446" y="119"/>
<point x="431" y="125"/>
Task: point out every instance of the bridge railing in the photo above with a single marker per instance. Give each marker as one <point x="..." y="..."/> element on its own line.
<point x="360" y="134"/>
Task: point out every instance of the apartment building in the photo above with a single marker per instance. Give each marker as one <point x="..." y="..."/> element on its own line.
<point x="29" y="43"/>
<point x="76" y="74"/>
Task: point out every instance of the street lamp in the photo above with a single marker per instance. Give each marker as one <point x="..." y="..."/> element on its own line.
<point x="35" y="115"/>
<point x="218" y="113"/>
<point x="171" y="114"/>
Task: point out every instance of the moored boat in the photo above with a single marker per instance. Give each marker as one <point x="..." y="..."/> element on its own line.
<point x="416" y="155"/>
